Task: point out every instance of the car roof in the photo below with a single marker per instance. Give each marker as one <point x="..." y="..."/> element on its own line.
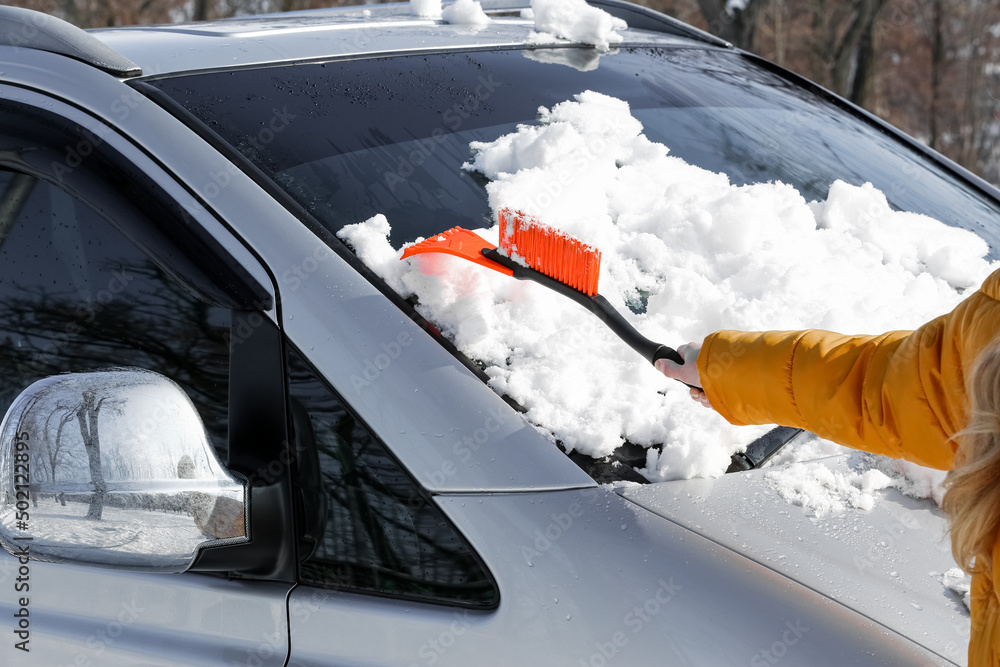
<point x="386" y="29"/>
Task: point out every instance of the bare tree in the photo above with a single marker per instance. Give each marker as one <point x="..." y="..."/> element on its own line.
<point x="937" y="65"/>
<point x="55" y="453"/>
<point x="44" y="333"/>
<point x="87" y="415"/>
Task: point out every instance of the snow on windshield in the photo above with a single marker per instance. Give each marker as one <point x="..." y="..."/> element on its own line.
<point x="685" y="253"/>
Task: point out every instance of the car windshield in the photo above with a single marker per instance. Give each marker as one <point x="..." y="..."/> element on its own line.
<point x="351" y="139"/>
<point x="687" y="250"/>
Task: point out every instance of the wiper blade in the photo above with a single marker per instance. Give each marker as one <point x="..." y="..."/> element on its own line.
<point x="763" y="448"/>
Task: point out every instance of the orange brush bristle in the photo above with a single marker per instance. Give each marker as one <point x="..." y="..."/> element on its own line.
<point x="550" y="251"/>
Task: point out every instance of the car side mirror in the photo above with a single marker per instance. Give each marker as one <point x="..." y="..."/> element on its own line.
<point x="113" y="468"/>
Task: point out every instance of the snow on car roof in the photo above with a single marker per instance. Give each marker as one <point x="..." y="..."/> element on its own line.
<point x="319" y="34"/>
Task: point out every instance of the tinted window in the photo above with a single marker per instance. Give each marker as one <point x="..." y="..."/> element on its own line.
<point x="76" y="293"/>
<point x="351" y="139"/>
<point x="367" y="525"/>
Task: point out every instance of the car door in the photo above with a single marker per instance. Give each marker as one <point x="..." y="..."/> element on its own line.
<point x="100" y="267"/>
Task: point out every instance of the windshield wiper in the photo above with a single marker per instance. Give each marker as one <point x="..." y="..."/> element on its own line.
<point x="763" y="448"/>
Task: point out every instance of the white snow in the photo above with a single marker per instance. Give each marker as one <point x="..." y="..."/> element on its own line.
<point x="702" y="253"/>
<point x="815" y="487"/>
<point x="465" y="12"/>
<point x="812" y="487"/>
<point x="577" y="21"/>
<point x="957" y="581"/>
<point x="430" y="9"/>
<point x="913" y="480"/>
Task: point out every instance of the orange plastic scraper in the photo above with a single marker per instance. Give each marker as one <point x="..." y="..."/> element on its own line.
<point x="462" y="243"/>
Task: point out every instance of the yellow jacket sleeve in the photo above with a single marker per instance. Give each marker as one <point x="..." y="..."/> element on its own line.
<point x="901" y="393"/>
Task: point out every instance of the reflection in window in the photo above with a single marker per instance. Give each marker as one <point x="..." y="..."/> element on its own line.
<point x="398" y="150"/>
<point x="368" y="526"/>
<point x="77" y="294"/>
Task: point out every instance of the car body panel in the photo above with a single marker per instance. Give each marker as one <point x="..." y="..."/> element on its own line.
<point x="325" y="34"/>
<point x="87" y="616"/>
<point x="609" y="583"/>
<point x="880" y="562"/>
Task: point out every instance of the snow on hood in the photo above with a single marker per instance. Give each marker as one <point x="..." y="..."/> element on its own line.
<point x="698" y="253"/>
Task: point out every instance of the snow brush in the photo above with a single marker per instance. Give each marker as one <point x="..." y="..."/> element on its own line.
<point x="534" y="251"/>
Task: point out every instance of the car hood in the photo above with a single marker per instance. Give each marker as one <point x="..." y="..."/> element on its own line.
<point x="884" y="563"/>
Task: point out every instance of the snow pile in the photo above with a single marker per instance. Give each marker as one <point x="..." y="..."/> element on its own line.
<point x="815" y="487"/>
<point x="958" y="582"/>
<point x="577" y="21"/>
<point x="465" y="12"/>
<point x="913" y="480"/>
<point x="429" y="9"/>
<point x="696" y="252"/>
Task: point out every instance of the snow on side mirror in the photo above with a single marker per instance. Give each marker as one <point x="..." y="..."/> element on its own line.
<point x="114" y="469"/>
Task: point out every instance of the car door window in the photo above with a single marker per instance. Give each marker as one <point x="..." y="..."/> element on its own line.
<point x="77" y="293"/>
<point x="367" y="526"/>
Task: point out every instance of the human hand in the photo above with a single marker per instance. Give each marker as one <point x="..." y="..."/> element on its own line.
<point x="686" y="372"/>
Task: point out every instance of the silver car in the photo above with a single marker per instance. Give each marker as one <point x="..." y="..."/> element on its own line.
<point x="228" y="442"/>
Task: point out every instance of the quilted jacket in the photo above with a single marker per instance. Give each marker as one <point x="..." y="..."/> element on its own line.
<point x="900" y="393"/>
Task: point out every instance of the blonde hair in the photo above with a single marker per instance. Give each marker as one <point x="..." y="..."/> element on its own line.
<point x="972" y="500"/>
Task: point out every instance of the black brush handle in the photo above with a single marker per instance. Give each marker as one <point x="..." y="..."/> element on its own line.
<point x="598" y="305"/>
